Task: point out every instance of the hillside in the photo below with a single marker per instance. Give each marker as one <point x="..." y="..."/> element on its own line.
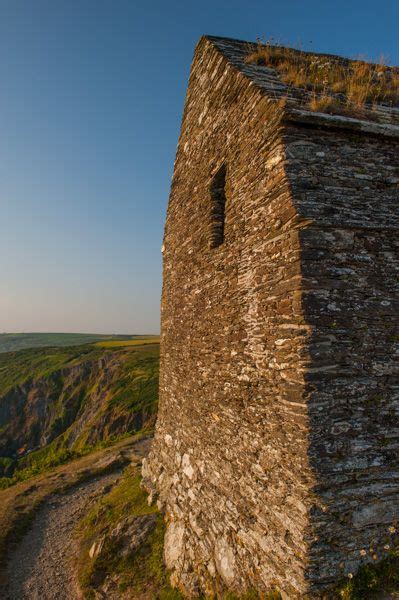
<point x="59" y="403"/>
<point x="10" y="342"/>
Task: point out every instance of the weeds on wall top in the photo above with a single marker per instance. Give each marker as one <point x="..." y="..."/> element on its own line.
<point x="332" y="84"/>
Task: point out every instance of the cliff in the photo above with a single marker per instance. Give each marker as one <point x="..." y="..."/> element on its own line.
<point x="55" y="401"/>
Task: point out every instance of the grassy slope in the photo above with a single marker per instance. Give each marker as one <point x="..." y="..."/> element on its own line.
<point x="16" y="368"/>
<point x="134" y="390"/>
<point x="19" y="366"/>
<point x="142" y="575"/>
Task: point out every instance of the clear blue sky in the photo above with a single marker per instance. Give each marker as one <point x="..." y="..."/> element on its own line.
<point x="91" y="98"/>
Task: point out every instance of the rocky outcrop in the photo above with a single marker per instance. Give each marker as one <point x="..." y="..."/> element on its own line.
<point x="126" y="537"/>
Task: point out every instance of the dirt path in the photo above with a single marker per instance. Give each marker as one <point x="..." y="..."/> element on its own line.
<point x="41" y="567"/>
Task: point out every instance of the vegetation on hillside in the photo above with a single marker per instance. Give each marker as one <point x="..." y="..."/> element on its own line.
<point x="335" y="85"/>
<point x="91" y="397"/>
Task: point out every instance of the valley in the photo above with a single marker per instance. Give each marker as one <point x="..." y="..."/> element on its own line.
<point x="59" y="403"/>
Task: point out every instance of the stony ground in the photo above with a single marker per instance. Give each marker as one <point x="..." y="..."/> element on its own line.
<point x="41" y="567"/>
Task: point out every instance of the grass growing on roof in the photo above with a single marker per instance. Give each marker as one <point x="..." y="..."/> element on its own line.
<point x="335" y="85"/>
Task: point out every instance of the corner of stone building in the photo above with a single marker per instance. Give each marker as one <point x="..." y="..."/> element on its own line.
<point x="341" y="180"/>
<point x="278" y="417"/>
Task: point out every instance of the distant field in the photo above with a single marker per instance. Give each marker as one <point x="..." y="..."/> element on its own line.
<point x="139" y="341"/>
<point x="10" y="342"/>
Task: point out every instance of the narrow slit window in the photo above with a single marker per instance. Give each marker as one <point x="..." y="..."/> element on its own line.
<point x="218" y="209"/>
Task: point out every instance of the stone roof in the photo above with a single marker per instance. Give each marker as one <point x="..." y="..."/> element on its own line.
<point x="385" y="118"/>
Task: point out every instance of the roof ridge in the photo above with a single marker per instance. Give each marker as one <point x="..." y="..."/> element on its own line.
<point x="267" y="78"/>
<point x="299" y="50"/>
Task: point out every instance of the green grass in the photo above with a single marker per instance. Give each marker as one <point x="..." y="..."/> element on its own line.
<point x="142" y="574"/>
<point x="16" y="368"/>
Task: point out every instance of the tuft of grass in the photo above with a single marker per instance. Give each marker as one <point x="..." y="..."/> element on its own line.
<point x="372" y="580"/>
<point x="333" y="84"/>
<point x="327" y="103"/>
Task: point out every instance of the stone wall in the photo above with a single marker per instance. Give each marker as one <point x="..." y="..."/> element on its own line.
<point x="275" y="344"/>
<point x="346" y="185"/>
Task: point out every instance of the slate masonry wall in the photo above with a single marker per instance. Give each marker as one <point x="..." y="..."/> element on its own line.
<point x="275" y="454"/>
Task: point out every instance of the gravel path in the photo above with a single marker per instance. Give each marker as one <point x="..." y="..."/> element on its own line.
<point x="41" y="567"/>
